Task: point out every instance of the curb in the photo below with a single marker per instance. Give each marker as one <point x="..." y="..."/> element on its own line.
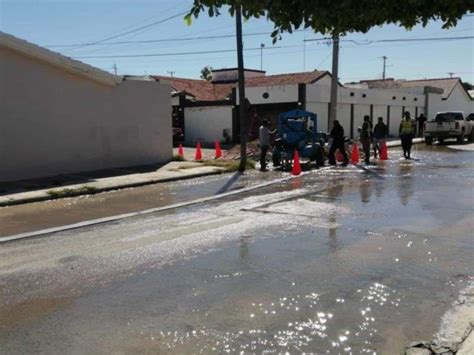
<point x="46" y="197"/>
<point x="43" y="232"/>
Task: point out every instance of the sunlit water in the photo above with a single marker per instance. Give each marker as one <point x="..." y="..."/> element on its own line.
<point x="338" y="262"/>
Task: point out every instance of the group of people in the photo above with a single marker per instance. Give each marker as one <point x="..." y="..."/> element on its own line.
<point x="375" y="136"/>
<point x="370" y="138"/>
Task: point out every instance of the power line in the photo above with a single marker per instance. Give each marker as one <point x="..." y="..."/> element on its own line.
<point x="182" y="39"/>
<point x="181" y="53"/>
<point x="392" y="40"/>
<point x="259" y="48"/>
<point x="131" y="31"/>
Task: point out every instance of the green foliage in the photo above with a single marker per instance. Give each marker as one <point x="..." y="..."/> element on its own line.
<point x="206" y="73"/>
<point x="340" y="16"/>
<point x="229" y="165"/>
<point x="177" y="157"/>
<point x="85" y="190"/>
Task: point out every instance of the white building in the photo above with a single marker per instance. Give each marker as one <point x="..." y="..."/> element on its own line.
<point x="61" y="116"/>
<point x="444" y="94"/>
<point x="208" y="111"/>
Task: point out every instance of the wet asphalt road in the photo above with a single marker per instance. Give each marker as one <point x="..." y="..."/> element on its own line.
<point x="342" y="261"/>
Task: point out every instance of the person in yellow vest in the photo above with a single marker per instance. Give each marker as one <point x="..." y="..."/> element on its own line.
<point x="406" y="134"/>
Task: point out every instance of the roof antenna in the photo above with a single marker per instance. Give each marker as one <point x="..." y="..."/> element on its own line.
<point x="171" y="72"/>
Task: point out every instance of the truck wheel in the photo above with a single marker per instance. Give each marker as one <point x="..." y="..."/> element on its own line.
<point x="461" y="138"/>
<point x="429" y="140"/>
<point x="319" y="156"/>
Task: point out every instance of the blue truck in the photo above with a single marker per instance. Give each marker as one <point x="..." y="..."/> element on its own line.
<point x="298" y="130"/>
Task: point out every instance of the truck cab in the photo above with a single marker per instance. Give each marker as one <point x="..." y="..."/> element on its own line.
<point x="450" y="124"/>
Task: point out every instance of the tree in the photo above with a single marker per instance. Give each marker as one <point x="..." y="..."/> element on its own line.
<point x="206" y="73"/>
<point x="338" y="17"/>
<point x="468" y="86"/>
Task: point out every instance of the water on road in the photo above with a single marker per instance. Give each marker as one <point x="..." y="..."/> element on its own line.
<point x="341" y="261"/>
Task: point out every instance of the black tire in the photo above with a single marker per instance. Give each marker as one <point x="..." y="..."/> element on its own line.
<point x="429" y="140"/>
<point x="441" y="140"/>
<point x="276" y="158"/>
<point x="461" y="138"/>
<point x="319" y="156"/>
<point x="471" y="137"/>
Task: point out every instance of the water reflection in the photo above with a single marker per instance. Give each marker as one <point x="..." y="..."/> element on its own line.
<point x="244" y="247"/>
<point x="365" y="191"/>
<point x="405" y="186"/>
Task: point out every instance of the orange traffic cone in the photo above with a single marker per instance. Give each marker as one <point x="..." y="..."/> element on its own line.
<point x="181" y="151"/>
<point x="198" y="155"/>
<point x="218" y="150"/>
<point x="383" y="151"/>
<point x="296" y="164"/>
<point x="355" y="153"/>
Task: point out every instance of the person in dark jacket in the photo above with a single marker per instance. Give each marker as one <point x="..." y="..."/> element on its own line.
<point x="380" y="135"/>
<point x="366" y="138"/>
<point x="337" y="135"/>
<point x="421" y="125"/>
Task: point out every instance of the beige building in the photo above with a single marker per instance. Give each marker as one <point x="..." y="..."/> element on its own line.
<point x="60" y="116"/>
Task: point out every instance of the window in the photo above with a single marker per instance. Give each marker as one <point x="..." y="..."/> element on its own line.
<point x="364" y="95"/>
<point x="416" y="99"/>
<point x="352" y="94"/>
<point x="394" y="98"/>
<point x="266" y="95"/>
<point x="404" y="98"/>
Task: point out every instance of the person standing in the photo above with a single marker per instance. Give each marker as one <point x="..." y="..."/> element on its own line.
<point x="380" y="135"/>
<point x="337" y="135"/>
<point x="366" y="137"/>
<point x="264" y="137"/>
<point x="406" y="135"/>
<point x="421" y="125"/>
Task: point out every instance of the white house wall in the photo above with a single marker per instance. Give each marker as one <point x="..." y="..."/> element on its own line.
<point x="54" y="122"/>
<point x="457" y="101"/>
<point x="207" y="124"/>
<point x="276" y="94"/>
<point x="318" y="98"/>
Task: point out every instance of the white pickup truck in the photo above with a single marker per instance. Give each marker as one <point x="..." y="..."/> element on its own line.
<point x="453" y="124"/>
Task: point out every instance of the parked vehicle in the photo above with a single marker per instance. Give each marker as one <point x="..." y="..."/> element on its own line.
<point x="453" y="124"/>
<point x="298" y="130"/>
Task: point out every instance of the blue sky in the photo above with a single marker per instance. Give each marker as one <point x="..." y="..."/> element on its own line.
<point x="58" y="22"/>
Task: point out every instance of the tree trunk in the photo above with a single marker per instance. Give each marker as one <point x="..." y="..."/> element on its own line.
<point x="242" y="103"/>
<point x="335" y="81"/>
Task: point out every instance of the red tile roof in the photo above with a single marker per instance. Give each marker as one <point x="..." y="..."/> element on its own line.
<point x="287" y="79"/>
<point x="446" y="84"/>
<point x="203" y="90"/>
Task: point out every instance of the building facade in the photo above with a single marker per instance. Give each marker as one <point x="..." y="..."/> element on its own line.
<point x="61" y="116"/>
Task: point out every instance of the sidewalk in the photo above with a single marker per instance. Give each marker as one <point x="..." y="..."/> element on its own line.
<point x="171" y="172"/>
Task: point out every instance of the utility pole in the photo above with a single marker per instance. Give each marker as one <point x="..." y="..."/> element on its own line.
<point x="115" y="68"/>
<point x="242" y="100"/>
<point x="335" y="81"/>
<point x="451" y="75"/>
<point x="262" y="46"/>
<point x="384" y="58"/>
<point x="171" y="72"/>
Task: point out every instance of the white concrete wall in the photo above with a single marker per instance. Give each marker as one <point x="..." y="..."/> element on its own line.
<point x="53" y="122"/>
<point x="457" y="101"/>
<point x="318" y="97"/>
<point x="207" y="124"/>
<point x="276" y="94"/>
